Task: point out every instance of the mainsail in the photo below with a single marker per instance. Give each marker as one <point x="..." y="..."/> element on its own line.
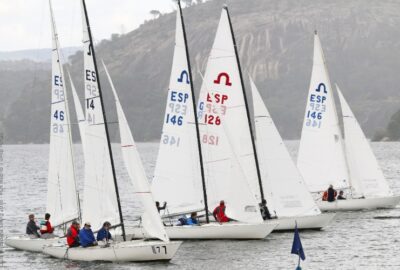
<point x="225" y="137"/>
<point x="151" y="220"/>
<point x="62" y="199"/>
<point x="286" y="192"/>
<point x="366" y="176"/>
<point x="321" y="158"/>
<point x="177" y="176"/>
<point x="100" y="202"/>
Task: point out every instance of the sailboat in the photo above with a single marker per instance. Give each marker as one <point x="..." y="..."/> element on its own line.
<point x="101" y="197"/>
<point x="325" y="158"/>
<point x="62" y="198"/>
<point x="179" y="177"/>
<point x="286" y="192"/>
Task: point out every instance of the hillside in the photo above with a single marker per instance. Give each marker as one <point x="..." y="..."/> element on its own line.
<point x="275" y="39"/>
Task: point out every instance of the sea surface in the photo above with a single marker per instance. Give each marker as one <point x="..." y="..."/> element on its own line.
<point x="354" y="240"/>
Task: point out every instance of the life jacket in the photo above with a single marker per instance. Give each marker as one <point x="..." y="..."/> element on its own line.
<point x="219" y="212"/>
<point x="45" y="227"/>
<point x="325" y="196"/>
<point x="72" y="235"/>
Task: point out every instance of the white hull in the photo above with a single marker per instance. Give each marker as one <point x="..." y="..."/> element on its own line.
<point x="304" y="222"/>
<point x="120" y="252"/>
<point x="211" y="231"/>
<point x="359" y="204"/>
<point x="26" y="243"/>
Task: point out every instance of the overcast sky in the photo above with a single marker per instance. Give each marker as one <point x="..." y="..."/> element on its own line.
<point x="25" y="24"/>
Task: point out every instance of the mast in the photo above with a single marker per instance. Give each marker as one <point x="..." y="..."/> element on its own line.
<point x="247" y="107"/>
<point x="105" y="120"/>
<point x="57" y="49"/>
<point x="203" y="180"/>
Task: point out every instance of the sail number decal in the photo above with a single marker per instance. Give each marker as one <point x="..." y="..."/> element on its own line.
<point x="176" y="108"/>
<point x="159" y="249"/>
<point x="91" y="94"/>
<point x="316" y="107"/>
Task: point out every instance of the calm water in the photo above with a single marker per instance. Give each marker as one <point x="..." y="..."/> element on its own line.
<point x="353" y="241"/>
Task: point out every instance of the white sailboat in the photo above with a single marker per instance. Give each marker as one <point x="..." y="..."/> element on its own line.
<point x="225" y="134"/>
<point x="101" y="198"/>
<point x="286" y="192"/>
<point x="326" y="159"/>
<point x="62" y="198"/>
<point x="179" y="178"/>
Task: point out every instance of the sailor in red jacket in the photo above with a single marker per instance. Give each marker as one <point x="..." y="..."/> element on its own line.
<point x="73" y="234"/>
<point x="45" y="227"/>
<point x="219" y="213"/>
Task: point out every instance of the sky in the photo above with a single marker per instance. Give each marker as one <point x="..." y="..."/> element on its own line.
<point x="25" y="24"/>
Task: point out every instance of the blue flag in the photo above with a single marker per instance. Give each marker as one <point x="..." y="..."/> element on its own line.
<point x="297" y="248"/>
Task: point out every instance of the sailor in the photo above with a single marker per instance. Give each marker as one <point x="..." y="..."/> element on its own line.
<point x="264" y="210"/>
<point x="73" y="234"/>
<point x="45" y="227"/>
<point x="104" y="233"/>
<point x="32" y="228"/>
<point x="331" y="194"/>
<point x="159" y="208"/>
<point x="341" y="196"/>
<point x="86" y="236"/>
<point x="219" y="213"/>
<point x="193" y="219"/>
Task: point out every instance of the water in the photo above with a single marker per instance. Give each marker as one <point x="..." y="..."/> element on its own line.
<point x="355" y="240"/>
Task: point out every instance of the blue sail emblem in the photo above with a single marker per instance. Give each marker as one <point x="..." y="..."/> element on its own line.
<point x="184" y="74"/>
<point x="321" y="85"/>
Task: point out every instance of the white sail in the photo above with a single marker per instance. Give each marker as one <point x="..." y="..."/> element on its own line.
<point x="225" y="134"/>
<point x="177" y="176"/>
<point x="99" y="195"/>
<point x="366" y="176"/>
<point x="321" y="158"/>
<point x="80" y="116"/>
<point x="62" y="199"/>
<point x="285" y="190"/>
<point x="151" y="220"/>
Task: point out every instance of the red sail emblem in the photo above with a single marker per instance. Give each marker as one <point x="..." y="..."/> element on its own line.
<point x="223" y="75"/>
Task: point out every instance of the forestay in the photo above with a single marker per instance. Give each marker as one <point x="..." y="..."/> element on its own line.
<point x="321" y="158"/>
<point x="177" y="176"/>
<point x="225" y="134"/>
<point x="100" y="200"/>
<point x="366" y="176"/>
<point x="151" y="220"/>
<point x="285" y="189"/>
<point x="62" y="199"/>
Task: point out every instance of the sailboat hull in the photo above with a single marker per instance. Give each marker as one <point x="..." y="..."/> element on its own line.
<point x="26" y="243"/>
<point x="129" y="251"/>
<point x="314" y="222"/>
<point x="212" y="231"/>
<point x="360" y="204"/>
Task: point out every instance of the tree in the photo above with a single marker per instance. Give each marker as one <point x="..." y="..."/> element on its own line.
<point x="188" y="3"/>
<point x="155" y="13"/>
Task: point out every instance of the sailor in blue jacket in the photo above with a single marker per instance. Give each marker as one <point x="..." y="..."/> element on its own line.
<point x="104" y="233"/>
<point x="86" y="236"/>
